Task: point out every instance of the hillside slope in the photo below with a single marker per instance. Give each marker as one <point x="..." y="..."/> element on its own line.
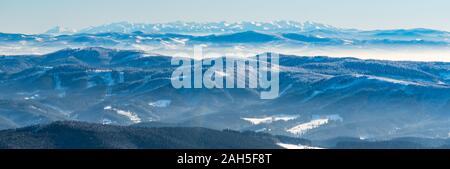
<point x="75" y="135"/>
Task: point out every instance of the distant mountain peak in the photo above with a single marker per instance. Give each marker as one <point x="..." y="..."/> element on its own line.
<point x="58" y="30"/>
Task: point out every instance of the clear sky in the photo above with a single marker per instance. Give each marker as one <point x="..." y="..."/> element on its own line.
<point x="36" y="16"/>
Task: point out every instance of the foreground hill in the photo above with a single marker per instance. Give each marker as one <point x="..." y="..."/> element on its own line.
<point x="68" y="135"/>
<point x="81" y="135"/>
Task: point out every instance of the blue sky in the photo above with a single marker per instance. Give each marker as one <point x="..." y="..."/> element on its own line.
<point x="25" y="16"/>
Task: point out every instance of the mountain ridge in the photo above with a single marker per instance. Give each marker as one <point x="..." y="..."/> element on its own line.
<point x="79" y="135"/>
<point x="383" y="99"/>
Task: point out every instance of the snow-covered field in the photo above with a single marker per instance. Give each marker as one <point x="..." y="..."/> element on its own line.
<point x="270" y="119"/>
<point x="130" y="115"/>
<point x="316" y="122"/>
<point x="299" y="146"/>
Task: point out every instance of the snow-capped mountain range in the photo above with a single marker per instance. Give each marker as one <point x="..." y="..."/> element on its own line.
<point x="309" y="30"/>
<point x="203" y="28"/>
<point x="295" y="38"/>
<point x="207" y="28"/>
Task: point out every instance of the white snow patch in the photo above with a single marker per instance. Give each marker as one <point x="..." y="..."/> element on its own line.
<point x="106" y="121"/>
<point x="331" y="117"/>
<point x="270" y="119"/>
<point x="317" y="121"/>
<point x="402" y="82"/>
<point x="180" y="41"/>
<point x="39" y="39"/>
<point x="305" y="127"/>
<point x="32" y="97"/>
<point x="390" y="80"/>
<point x="293" y="146"/>
<point x="257" y="121"/>
<point x="347" y="42"/>
<point x="101" y="70"/>
<point x="160" y="103"/>
<point x="132" y="116"/>
<point x="37" y="108"/>
<point x="262" y="130"/>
